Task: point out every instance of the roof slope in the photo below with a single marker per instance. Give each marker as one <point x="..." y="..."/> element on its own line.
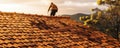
<point x="37" y="31"/>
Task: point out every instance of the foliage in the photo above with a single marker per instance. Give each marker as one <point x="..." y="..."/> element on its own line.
<point x="107" y="20"/>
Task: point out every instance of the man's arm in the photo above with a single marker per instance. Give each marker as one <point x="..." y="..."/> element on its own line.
<point x="49" y="8"/>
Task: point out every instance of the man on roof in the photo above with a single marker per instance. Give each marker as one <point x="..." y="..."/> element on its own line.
<point x="53" y="8"/>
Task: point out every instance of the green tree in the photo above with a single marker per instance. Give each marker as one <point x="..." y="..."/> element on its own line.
<point x="112" y="15"/>
<point x="106" y="20"/>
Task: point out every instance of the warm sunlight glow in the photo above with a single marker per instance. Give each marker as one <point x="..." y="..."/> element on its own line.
<point x="9" y="7"/>
<point x="32" y="7"/>
<point x="46" y="2"/>
<point x="41" y="6"/>
<point x="70" y="3"/>
<point x="20" y="8"/>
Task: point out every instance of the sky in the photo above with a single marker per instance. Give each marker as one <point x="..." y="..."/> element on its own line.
<point x="41" y="6"/>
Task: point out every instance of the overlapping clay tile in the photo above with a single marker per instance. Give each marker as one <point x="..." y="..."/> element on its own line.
<point x="18" y="30"/>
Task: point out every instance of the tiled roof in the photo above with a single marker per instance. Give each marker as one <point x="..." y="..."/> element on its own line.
<point x="37" y="31"/>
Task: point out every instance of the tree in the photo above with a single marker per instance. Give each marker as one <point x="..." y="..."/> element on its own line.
<point x="113" y="13"/>
<point x="106" y="20"/>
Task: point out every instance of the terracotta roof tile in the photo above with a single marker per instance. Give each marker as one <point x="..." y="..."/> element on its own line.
<point x="38" y="31"/>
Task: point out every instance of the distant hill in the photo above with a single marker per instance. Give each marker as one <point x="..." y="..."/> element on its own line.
<point x="76" y="16"/>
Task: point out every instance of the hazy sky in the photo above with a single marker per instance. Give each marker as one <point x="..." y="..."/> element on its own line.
<point x="41" y="6"/>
